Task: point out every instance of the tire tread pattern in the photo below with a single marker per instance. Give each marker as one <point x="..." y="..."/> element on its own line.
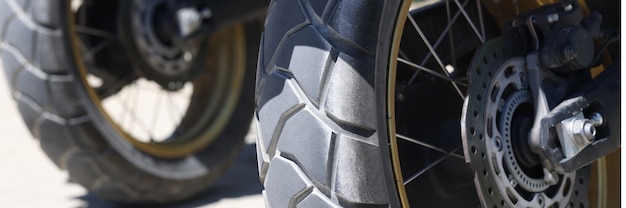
<point x="311" y="152"/>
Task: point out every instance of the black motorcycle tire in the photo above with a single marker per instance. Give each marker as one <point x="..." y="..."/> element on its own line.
<point x="321" y="141"/>
<point x="41" y="70"/>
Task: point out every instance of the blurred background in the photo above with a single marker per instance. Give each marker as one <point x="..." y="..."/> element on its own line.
<point x="29" y="179"/>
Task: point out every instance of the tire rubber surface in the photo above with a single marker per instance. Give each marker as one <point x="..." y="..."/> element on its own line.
<point x="319" y="140"/>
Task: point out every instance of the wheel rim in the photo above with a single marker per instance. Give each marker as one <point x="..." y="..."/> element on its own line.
<point x="443" y="70"/>
<point x="198" y="110"/>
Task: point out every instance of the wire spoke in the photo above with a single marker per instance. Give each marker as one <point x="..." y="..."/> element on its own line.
<point x="110" y="87"/>
<point x="94" y="32"/>
<point x="130" y="110"/>
<point x="174" y="110"/>
<point x="439" y="39"/>
<point x="451" y="35"/>
<point x="428" y="146"/>
<point x="480" y="19"/>
<point x="96" y="49"/>
<point x="462" y="10"/>
<point x="138" y="118"/>
<point x="155" y="111"/>
<point x="122" y="114"/>
<point x="432" y="50"/>
<point x="430" y="71"/>
<point x="430" y="166"/>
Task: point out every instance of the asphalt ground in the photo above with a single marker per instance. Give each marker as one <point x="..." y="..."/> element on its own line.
<point x="29" y="179"/>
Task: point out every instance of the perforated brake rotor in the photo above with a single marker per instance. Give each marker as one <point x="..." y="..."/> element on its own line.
<point x="497" y="114"/>
<point x="156" y="50"/>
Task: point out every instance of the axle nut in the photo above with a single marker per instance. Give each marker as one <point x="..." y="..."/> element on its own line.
<point x="584" y="132"/>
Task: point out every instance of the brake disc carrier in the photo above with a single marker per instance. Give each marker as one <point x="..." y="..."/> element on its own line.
<point x="497" y="116"/>
<point x="157" y="53"/>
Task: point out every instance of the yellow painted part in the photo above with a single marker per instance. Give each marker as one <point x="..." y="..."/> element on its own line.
<point x="391" y="112"/>
<point x="595" y="71"/>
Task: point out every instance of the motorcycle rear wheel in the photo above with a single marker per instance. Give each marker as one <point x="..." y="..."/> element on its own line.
<point x="42" y="48"/>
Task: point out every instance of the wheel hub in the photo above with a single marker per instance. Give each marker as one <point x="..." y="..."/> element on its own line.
<point x="498" y="116"/>
<point x="159" y="53"/>
<point x="530" y="178"/>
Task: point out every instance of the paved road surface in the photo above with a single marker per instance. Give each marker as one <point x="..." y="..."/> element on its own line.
<point x="29" y="179"/>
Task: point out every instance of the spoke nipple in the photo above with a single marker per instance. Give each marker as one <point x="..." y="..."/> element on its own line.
<point x="400" y="97"/>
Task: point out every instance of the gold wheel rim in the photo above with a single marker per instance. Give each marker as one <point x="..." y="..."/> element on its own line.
<point x="391" y="112"/>
<point x="227" y="49"/>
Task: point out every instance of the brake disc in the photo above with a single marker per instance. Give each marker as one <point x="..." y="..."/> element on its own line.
<point x="497" y="117"/>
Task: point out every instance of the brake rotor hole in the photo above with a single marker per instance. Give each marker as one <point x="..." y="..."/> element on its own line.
<point x="522" y="79"/>
<point x="509" y="71"/>
<point x="494" y="92"/>
<point x="566" y="187"/>
<point x="511" y="196"/>
<point x="494" y="161"/>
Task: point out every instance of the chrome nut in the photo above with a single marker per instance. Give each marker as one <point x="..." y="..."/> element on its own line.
<point x="584" y="132"/>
